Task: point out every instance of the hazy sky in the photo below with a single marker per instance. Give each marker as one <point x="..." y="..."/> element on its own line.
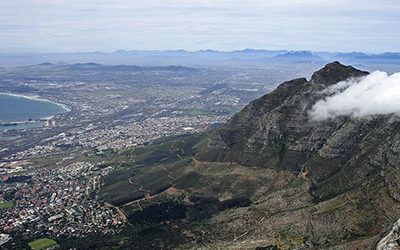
<point x="88" y="25"/>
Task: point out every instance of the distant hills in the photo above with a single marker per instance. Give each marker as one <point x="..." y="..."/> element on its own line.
<point x="102" y="67"/>
<point x="298" y="56"/>
<point x="362" y="57"/>
<point x="246" y="57"/>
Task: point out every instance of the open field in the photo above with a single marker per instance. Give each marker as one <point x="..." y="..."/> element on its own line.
<point x="43" y="243"/>
<point x="7" y="204"/>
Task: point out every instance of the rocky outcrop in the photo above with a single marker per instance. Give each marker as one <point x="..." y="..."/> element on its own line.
<point x="392" y="240"/>
<point x="275" y="131"/>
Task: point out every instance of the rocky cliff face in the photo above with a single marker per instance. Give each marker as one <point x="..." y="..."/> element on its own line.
<point x="272" y="178"/>
<point x="336" y="156"/>
<point x="276" y="132"/>
<point x="392" y="240"/>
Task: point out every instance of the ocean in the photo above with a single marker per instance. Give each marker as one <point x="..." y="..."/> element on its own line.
<point x="15" y="108"/>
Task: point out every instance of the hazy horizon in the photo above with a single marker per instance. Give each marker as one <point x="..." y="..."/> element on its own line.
<point x="191" y="51"/>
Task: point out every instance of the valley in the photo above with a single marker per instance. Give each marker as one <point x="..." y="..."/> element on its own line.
<point x="182" y="171"/>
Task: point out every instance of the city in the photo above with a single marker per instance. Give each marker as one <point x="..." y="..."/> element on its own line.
<point x="50" y="174"/>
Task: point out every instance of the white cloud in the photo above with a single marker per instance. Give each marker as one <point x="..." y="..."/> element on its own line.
<point x="375" y="94"/>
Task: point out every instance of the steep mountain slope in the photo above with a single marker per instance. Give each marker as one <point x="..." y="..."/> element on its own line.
<point x="275" y="132"/>
<point x="270" y="178"/>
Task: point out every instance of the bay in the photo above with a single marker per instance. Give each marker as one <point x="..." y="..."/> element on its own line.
<point x="16" y="108"/>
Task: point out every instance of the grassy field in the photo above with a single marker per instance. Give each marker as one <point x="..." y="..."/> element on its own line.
<point x="7" y="204"/>
<point x="42" y="243"/>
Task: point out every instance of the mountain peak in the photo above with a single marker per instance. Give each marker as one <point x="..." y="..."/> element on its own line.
<point x="298" y="57"/>
<point x="335" y="72"/>
<point x="270" y="159"/>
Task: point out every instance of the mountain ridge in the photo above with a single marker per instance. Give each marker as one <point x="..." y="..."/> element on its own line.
<point x="269" y="177"/>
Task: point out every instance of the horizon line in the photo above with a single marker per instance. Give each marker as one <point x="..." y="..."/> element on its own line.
<point x="192" y="51"/>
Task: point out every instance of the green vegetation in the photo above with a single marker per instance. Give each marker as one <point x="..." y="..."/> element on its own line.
<point x="46" y="161"/>
<point x="7" y="204"/>
<point x="148" y="170"/>
<point x="43" y="243"/>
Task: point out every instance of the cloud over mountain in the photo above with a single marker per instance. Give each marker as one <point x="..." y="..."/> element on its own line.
<point x="375" y="94"/>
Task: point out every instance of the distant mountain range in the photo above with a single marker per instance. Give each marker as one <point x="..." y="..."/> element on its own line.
<point x="246" y="57"/>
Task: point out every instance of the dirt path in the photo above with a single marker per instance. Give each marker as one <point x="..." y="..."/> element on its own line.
<point x="120" y="213"/>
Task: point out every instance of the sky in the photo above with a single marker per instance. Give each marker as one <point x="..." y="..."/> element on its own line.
<point x="100" y="25"/>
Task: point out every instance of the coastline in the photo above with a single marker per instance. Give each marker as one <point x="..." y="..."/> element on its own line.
<point x="31" y="121"/>
<point x="38" y="98"/>
<point x="18" y="124"/>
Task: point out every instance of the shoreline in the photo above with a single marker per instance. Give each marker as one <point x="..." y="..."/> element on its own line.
<point x="13" y="124"/>
<point x="38" y="98"/>
<point x="65" y="108"/>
